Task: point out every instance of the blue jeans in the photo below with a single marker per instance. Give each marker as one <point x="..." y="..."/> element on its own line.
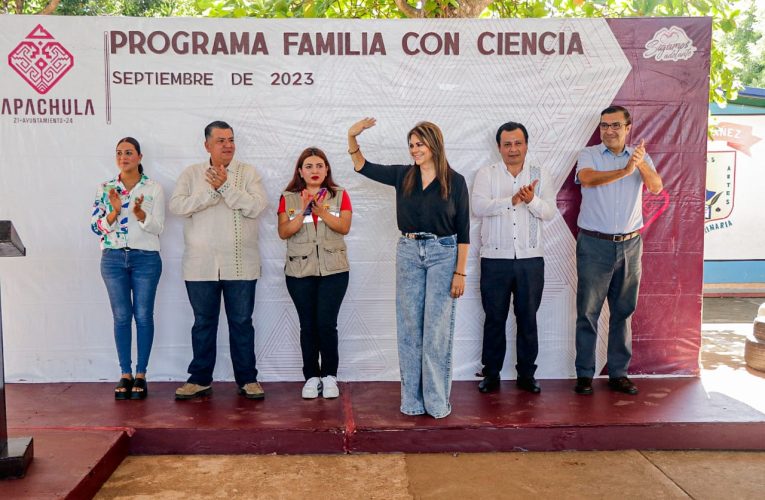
<point x="425" y="323"/>
<point x="131" y="278"/>
<point x="239" y="300"/>
<point x="607" y="270"/>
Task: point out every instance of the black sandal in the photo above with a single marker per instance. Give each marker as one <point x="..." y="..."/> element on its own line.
<point x="143" y="389"/>
<point x="127" y="385"/>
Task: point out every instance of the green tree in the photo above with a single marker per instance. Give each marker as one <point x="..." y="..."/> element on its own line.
<point x="746" y="45"/>
<point x="138" y="8"/>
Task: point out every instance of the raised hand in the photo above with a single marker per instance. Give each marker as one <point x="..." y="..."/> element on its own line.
<point x="361" y="126"/>
<point x="138" y="210"/>
<point x="637" y="157"/>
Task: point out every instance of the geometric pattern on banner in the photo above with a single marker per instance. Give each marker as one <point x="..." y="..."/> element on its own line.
<point x="40" y="60"/>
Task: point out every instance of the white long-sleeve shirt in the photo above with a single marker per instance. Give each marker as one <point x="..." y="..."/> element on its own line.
<point x="508" y="231"/>
<point x="221" y="230"/>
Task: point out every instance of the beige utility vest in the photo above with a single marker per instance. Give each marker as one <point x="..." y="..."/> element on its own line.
<point x="315" y="250"/>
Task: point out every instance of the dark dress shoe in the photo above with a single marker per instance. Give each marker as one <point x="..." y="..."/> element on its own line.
<point x="583" y="385"/>
<point x="623" y="384"/>
<point x="528" y="384"/>
<point x="488" y="384"/>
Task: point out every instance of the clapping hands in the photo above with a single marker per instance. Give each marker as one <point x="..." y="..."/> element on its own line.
<point x="525" y="194"/>
<point x="216" y="176"/>
<point x="138" y="210"/>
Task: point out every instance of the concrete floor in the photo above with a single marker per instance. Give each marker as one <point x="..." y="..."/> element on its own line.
<point x="570" y="475"/>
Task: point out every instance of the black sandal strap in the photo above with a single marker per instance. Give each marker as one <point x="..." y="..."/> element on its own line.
<point x="124" y="383"/>
<point x="140" y="384"/>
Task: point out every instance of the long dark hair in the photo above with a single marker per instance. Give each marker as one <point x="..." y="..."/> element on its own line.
<point x="137" y="147"/>
<point x="297" y="184"/>
<point x="431" y="135"/>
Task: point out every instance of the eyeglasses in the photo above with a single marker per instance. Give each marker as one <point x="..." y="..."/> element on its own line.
<point x="612" y="126"/>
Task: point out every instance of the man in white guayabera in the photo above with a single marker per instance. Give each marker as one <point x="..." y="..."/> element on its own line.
<point x="220" y="199"/>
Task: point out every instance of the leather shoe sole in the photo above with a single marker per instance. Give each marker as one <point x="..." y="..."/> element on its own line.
<point x="488" y="384"/>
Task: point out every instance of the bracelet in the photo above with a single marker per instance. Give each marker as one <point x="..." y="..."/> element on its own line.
<point x="355" y="151"/>
<point x="460" y="274"/>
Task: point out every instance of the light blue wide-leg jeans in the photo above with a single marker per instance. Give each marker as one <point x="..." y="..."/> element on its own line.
<point x="425" y="323"/>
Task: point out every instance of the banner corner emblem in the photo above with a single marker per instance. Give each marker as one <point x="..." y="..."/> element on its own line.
<point x="670" y="44"/>
<point x="40" y="60"/>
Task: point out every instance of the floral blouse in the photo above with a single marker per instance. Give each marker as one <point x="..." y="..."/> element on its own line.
<point x="127" y="231"/>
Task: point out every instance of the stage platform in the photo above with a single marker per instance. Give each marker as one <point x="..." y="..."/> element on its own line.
<point x="669" y="413"/>
<point x="81" y="433"/>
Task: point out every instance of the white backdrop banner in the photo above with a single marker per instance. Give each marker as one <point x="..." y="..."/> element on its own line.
<point x="73" y="86"/>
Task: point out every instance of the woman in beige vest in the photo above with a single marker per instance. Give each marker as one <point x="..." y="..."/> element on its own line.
<point x="314" y="215"/>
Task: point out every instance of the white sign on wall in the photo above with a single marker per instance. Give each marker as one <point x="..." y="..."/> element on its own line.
<point x="735" y="177"/>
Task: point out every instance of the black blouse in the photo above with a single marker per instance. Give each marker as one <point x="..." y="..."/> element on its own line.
<point x="424" y="211"/>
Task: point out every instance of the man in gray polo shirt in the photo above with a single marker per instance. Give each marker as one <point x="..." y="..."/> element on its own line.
<point x="609" y="246"/>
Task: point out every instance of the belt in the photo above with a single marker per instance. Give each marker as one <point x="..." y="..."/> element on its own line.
<point x="618" y="238"/>
<point x="420" y="236"/>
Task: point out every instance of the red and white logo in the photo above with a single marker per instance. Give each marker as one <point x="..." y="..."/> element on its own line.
<point x="40" y="60"/>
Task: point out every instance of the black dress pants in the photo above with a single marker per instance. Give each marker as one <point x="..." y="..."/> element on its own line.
<point x="524" y="280"/>
<point x="317" y="300"/>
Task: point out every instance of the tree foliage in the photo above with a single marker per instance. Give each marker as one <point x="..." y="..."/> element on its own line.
<point x="745" y="46"/>
<point x="137" y="8"/>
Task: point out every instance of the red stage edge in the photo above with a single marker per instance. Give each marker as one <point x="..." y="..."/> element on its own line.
<point x="71" y="464"/>
<point x="81" y="434"/>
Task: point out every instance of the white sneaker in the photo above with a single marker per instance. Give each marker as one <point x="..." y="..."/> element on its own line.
<point x="331" y="390"/>
<point x="312" y="388"/>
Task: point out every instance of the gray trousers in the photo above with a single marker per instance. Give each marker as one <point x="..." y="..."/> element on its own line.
<point x="607" y="271"/>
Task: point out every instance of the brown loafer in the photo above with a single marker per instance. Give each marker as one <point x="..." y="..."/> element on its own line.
<point x="192" y="391"/>
<point x="253" y="390"/>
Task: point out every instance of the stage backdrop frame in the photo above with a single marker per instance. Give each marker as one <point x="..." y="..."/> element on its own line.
<point x="72" y="86"/>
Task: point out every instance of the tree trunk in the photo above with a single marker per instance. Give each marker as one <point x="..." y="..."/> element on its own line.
<point x="467" y="8"/>
<point x="52" y="5"/>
